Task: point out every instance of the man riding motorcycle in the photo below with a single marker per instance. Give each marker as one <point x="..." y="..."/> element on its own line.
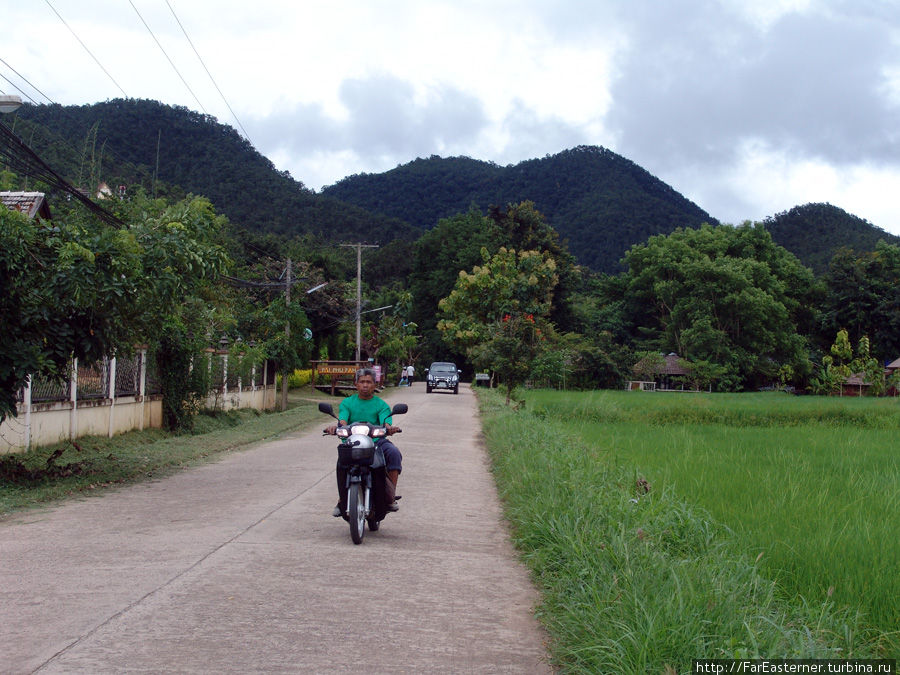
<point x="365" y="406"/>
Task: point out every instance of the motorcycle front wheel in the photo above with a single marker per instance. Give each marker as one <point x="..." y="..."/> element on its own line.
<point x="357" y="511"/>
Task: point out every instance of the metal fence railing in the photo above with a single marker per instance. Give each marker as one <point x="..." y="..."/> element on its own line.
<point x="93" y="382"/>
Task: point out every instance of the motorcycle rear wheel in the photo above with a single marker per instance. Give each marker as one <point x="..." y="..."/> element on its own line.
<point x="356" y="503"/>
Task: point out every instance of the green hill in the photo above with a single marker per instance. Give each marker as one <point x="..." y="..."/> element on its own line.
<point x="598" y="201"/>
<point x="171" y="149"/>
<point x="814" y="232"/>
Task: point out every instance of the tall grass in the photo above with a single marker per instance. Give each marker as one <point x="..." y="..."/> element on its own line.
<point x="639" y="581"/>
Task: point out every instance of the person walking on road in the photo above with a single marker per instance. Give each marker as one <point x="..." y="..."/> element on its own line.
<point x="410" y="371"/>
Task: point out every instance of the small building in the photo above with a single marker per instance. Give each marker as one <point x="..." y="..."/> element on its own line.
<point x="855" y="385"/>
<point x="32" y="204"/>
<point x="892" y="367"/>
<point x="669" y="373"/>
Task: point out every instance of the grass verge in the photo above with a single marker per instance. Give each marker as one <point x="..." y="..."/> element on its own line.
<point x="91" y="464"/>
<point x="638" y="581"/>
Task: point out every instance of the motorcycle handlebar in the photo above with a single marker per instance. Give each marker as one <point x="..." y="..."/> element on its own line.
<point x="325" y="432"/>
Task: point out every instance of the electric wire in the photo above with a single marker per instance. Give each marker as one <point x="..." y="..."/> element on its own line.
<point x="26" y="80"/>
<point x="86" y="49"/>
<point x="212" y="79"/>
<point x="171" y="63"/>
<point x="17" y="88"/>
<point x="16" y="153"/>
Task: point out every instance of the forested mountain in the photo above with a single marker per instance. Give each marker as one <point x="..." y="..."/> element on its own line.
<point x="170" y="150"/>
<point x="815" y="232"/>
<point x="598" y="201"/>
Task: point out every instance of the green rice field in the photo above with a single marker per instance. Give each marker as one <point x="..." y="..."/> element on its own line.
<point x="805" y="490"/>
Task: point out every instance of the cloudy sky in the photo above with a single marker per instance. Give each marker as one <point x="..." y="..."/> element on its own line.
<point x="747" y="107"/>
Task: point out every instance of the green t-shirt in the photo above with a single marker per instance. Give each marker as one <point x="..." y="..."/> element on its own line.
<point x="374" y="411"/>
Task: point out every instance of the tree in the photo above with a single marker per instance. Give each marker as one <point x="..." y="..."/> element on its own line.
<point x="862" y="297"/>
<point x="525" y="228"/>
<point x="841" y="363"/>
<point x="455" y="244"/>
<point x="497" y="314"/>
<point x="724" y="295"/>
<point x="80" y="289"/>
<point x="869" y="368"/>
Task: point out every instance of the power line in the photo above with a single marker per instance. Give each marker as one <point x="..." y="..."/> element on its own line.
<point x="158" y="44"/>
<point x="190" y="42"/>
<point x="26" y="80"/>
<point x="86" y="49"/>
<point x="25" y="160"/>
<point x="17" y="89"/>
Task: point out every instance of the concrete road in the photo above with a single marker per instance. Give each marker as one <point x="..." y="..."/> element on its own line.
<point x="239" y="567"/>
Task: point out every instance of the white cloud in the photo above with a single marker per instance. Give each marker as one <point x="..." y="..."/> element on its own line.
<point x="747" y="108"/>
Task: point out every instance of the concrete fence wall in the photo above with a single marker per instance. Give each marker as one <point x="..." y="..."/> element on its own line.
<point x="116" y="396"/>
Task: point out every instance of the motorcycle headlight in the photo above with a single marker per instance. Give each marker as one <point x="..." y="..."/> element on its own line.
<point x="361" y="429"/>
<point x="378" y="433"/>
<point x="343" y="432"/>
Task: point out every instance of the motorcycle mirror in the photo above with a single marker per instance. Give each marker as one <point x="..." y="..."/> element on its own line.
<point x="398" y="409"/>
<point x="326" y="408"/>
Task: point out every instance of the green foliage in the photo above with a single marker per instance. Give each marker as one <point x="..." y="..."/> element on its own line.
<point x="300" y="378"/>
<point x="198" y="155"/>
<point x="598" y="201"/>
<point x="83" y="290"/>
<point x="497" y="313"/>
<point x="56" y="472"/>
<point x="638" y="576"/>
<point x="66" y="292"/>
<point x="184" y="376"/>
<point x="726" y="296"/>
<point x="648" y="364"/>
<point x="841" y="363"/>
<point x="863" y="298"/>
<point x="454" y="245"/>
<point x="815" y="233"/>
<point x="398" y="342"/>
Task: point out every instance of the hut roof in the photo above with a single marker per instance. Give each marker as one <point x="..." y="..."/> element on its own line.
<point x="675" y="365"/>
<point x="672" y="364"/>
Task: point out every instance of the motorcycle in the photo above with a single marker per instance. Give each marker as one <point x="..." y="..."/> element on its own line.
<point x="365" y="494"/>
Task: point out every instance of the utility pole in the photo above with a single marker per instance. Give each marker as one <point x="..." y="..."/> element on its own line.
<point x="285" y="376"/>
<point x="359" y="247"/>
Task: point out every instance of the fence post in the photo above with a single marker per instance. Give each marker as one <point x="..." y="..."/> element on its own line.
<point x="224" y="378"/>
<point x="27" y="402"/>
<point x="73" y="399"/>
<point x="142" y="387"/>
<point x="111" y="391"/>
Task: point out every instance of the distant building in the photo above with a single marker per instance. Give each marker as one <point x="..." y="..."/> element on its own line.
<point x="889" y="370"/>
<point x="32" y="204"/>
<point x="669" y="372"/>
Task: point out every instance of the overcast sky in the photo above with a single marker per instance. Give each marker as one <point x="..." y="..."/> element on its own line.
<point x="746" y="107"/>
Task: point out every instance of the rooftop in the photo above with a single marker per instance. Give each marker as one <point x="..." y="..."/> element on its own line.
<point x="30" y="203"/>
